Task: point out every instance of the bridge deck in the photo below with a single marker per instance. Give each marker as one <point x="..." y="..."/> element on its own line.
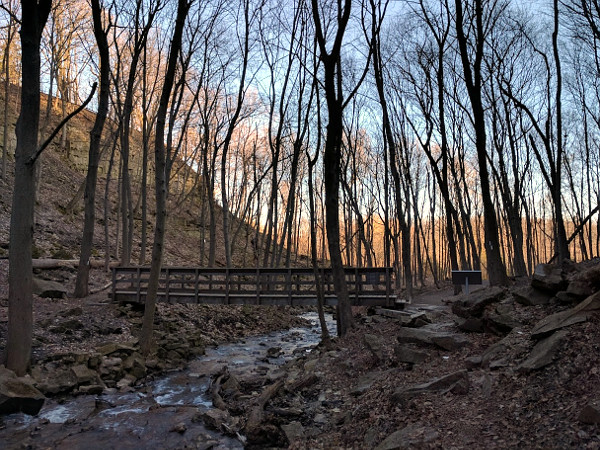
<point x="370" y="286"/>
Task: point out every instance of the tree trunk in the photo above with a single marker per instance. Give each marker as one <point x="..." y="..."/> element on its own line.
<point x="20" y="296"/>
<point x="81" y="283"/>
<point x="161" y="180"/>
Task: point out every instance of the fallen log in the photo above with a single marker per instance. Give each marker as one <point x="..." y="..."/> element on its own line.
<point x="256" y="415"/>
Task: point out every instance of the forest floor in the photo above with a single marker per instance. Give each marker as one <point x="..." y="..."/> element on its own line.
<point x="378" y="387"/>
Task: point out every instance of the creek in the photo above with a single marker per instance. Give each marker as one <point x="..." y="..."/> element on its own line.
<point x="164" y="412"/>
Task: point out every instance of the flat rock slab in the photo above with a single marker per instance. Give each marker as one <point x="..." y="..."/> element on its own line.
<point x="446" y="341"/>
<point x="412" y="436"/>
<point x="456" y="382"/>
<point x="543" y="353"/>
<point x="564" y="319"/>
<point x="474" y="304"/>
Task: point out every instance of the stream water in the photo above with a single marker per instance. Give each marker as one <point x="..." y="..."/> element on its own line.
<point x="162" y="414"/>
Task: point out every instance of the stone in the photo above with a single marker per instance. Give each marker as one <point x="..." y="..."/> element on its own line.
<point x="67" y="326"/>
<point x="444" y="340"/>
<point x="135" y="365"/>
<point x="590" y="413"/>
<point x="48" y="288"/>
<point x="364" y="384"/>
<point x="548" y="278"/>
<point x="92" y="389"/>
<point x="217" y="419"/>
<point x="293" y="431"/>
<point x="126" y="381"/>
<point x="444" y="383"/>
<point x="564" y="319"/>
<point x="408" y="355"/>
<point x="274" y="352"/>
<point x="450" y="342"/>
<point x="180" y="428"/>
<point x="564" y="298"/>
<point x="54" y="380"/>
<point x="113" y="347"/>
<point x="580" y="289"/>
<point x="17" y="394"/>
<point x="473" y="362"/>
<point x="529" y="296"/>
<point x="543" y="353"/>
<point x="375" y="345"/>
<point x="473" y="305"/>
<point x="471" y="324"/>
<point x="412" y="436"/>
<point x="84" y="375"/>
<point x="501" y="323"/>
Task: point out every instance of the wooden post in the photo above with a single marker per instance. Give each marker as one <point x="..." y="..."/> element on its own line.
<point x="196" y="281"/>
<point x="139" y="284"/>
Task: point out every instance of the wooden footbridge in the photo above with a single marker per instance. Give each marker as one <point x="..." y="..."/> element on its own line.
<point x="370" y="286"/>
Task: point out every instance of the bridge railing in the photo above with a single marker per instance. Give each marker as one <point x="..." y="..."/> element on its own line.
<point x="261" y="286"/>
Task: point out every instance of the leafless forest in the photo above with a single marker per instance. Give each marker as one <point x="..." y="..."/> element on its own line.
<point x="423" y="135"/>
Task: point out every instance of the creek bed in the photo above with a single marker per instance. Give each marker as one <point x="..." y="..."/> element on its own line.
<point x="163" y="413"/>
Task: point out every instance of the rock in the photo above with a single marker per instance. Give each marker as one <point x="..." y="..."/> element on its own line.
<point x="113" y="347"/>
<point x="375" y="345"/>
<point x="364" y="384"/>
<point x="580" y="289"/>
<point x="274" y="352"/>
<point x="543" y="353"/>
<point x="412" y="436"/>
<point x="416" y="320"/>
<point x="135" y="365"/>
<point x="48" y="289"/>
<point x="472" y="324"/>
<point x="590" y="413"/>
<point x="456" y="380"/>
<point x="217" y="419"/>
<point x="408" y="355"/>
<point x="54" y="380"/>
<point x="84" y="375"/>
<point x="450" y="342"/>
<point x="179" y="428"/>
<point x="17" y="394"/>
<point x="566" y="318"/>
<point x="564" y="298"/>
<point x="67" y="326"/>
<point x="473" y="362"/>
<point x="474" y="304"/>
<point x="501" y="323"/>
<point x="320" y="419"/>
<point x="126" y="381"/>
<point x="548" y="278"/>
<point x="293" y="431"/>
<point x="92" y="389"/>
<point x="529" y="296"/>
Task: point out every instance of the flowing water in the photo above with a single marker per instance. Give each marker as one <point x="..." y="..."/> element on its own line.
<point x="163" y="414"/>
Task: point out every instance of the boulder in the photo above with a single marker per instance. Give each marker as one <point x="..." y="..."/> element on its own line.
<point x="450" y="342"/>
<point x="50" y="379"/>
<point x="543" y="353"/>
<point x="364" y="384"/>
<point x="474" y="304"/>
<point x="529" y="296"/>
<point x="564" y="319"/>
<point x="548" y="278"/>
<point x="17" y="394"/>
<point x="456" y="382"/>
<point x="135" y="365"/>
<point x="48" y="288"/>
<point x="412" y="436"/>
<point x="408" y="355"/>
<point x="501" y="323"/>
<point x="590" y="413"/>
<point x="113" y="347"/>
